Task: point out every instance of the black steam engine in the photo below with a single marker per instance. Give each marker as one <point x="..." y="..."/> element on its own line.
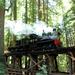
<point x="34" y="42"/>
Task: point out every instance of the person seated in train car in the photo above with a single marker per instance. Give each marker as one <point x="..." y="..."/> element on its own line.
<point x="49" y="35"/>
<point x="54" y="34"/>
<point x="46" y="35"/>
<point x="56" y="37"/>
<point x="43" y="34"/>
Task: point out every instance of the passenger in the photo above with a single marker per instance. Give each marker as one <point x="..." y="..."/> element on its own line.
<point x="54" y="34"/>
<point x="56" y="37"/>
<point x="44" y="35"/>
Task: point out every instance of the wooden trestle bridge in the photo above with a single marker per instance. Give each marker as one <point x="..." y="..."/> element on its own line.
<point x="34" y="55"/>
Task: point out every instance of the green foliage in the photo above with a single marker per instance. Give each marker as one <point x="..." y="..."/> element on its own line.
<point x="8" y="38"/>
<point x="63" y="62"/>
<point x="2" y="4"/>
<point x="68" y="20"/>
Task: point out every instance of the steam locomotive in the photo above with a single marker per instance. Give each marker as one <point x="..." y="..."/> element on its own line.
<point x="36" y="42"/>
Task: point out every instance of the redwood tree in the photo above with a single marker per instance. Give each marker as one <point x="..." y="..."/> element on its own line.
<point x="2" y="62"/>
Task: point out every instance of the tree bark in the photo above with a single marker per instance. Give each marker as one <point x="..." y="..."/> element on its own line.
<point x="2" y="61"/>
<point x="15" y="10"/>
<point x="26" y="15"/>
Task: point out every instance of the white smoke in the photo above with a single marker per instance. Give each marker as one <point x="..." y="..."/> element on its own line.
<point x="18" y="27"/>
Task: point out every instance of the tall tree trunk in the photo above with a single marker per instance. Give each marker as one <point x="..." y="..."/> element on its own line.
<point x="39" y="12"/>
<point x="47" y="13"/>
<point x="33" y="10"/>
<point x="15" y="10"/>
<point x="26" y="15"/>
<point x="43" y="10"/>
<point x="2" y="62"/>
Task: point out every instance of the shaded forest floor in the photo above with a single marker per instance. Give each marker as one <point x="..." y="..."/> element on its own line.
<point x="61" y="74"/>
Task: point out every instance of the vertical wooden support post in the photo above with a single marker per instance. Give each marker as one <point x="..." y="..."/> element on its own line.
<point x="29" y="66"/>
<point x="70" y="66"/>
<point x="5" y="58"/>
<point x="71" y="63"/>
<point x="13" y="61"/>
<point x="33" y="69"/>
<point x="74" y="66"/>
<point x="56" y="65"/>
<point x="19" y="62"/>
<point x="49" y="64"/>
<point x="26" y="64"/>
<point x="52" y="64"/>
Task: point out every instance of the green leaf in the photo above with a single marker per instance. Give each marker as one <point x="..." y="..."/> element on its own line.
<point x="2" y="4"/>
